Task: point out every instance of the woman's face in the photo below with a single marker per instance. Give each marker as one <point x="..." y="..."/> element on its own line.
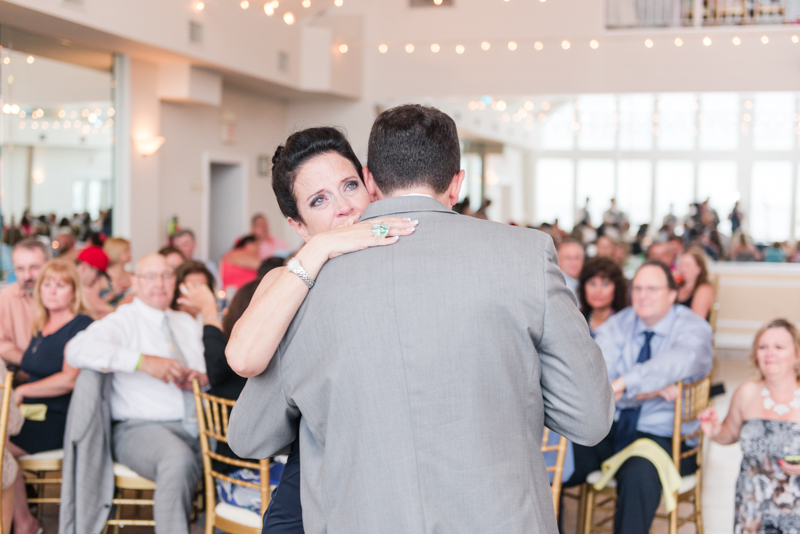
<point x="193" y="280"/>
<point x="599" y="292"/>
<point x="776" y="353"/>
<point x="56" y="294"/>
<point x="688" y="268"/>
<point x="327" y="191"/>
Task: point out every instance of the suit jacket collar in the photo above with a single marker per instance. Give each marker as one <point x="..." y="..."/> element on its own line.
<point x="397" y="206"/>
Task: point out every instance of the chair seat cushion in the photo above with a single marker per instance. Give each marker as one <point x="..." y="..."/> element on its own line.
<point x="239" y="515"/>
<point x="57" y="454"/>
<point x="687" y="483"/>
<point x="124" y="471"/>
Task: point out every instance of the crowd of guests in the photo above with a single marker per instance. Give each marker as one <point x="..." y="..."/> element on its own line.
<point x="155" y="329"/>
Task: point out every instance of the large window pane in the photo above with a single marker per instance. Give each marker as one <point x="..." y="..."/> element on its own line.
<point x="770" y="201"/>
<point x="634" y="190"/>
<point x="674" y="189"/>
<point x="773" y="121"/>
<point x="595" y="182"/>
<point x="676" y="114"/>
<point x="719" y="116"/>
<point x="717" y="181"/>
<point x="557" y="133"/>
<point x="636" y="122"/>
<point x="554" y="187"/>
<point x="597" y="117"/>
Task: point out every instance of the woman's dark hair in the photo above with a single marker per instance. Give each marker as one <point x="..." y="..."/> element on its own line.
<point x="242" y="241"/>
<point x="185" y="269"/>
<point x="270" y="263"/>
<point x="167" y="250"/>
<point x="241" y="300"/>
<point x="299" y="148"/>
<point x="604" y="268"/>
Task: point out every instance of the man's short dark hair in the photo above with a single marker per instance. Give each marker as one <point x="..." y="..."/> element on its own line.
<point x="32" y="243"/>
<point x="183" y="232"/>
<point x="413" y="145"/>
<point x="671" y="283"/>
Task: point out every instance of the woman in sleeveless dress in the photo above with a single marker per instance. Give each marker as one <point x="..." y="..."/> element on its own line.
<point x="764" y="417"/>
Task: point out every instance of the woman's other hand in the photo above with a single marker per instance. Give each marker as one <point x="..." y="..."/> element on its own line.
<point x="789" y="469"/>
<point x="198" y="296"/>
<point x="709" y="422"/>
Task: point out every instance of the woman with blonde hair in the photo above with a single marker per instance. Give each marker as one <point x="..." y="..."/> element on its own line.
<point x="764" y="416"/>
<point x="118" y="251"/>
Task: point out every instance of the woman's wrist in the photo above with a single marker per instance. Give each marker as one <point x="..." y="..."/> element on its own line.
<point x="313" y="256"/>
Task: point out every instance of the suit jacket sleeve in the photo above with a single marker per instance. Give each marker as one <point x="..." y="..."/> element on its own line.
<point x="263" y="422"/>
<point x="578" y="400"/>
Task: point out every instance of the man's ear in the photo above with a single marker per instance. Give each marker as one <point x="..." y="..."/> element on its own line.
<point x="300" y="228"/>
<point x="454" y="191"/>
<point x="372" y="188"/>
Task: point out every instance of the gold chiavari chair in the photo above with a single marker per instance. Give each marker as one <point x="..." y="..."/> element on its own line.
<point x="557" y="468"/>
<point x="212" y="420"/>
<point x="9" y="381"/>
<point x="692" y="399"/>
<point x="35" y="468"/>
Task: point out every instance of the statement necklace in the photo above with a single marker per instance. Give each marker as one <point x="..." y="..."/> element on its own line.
<point x="780" y="409"/>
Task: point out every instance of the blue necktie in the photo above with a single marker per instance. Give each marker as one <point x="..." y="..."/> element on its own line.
<point x="629" y="417"/>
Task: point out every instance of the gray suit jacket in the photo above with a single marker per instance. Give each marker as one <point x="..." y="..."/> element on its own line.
<point x="425" y="372"/>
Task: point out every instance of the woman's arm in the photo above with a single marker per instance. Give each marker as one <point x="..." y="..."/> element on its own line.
<point x="703" y="300"/>
<point x="258" y="332"/>
<point x="242" y="258"/>
<point x="727" y="432"/>
<point x="54" y="385"/>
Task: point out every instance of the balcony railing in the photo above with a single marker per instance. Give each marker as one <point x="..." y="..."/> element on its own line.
<point x="683" y="13"/>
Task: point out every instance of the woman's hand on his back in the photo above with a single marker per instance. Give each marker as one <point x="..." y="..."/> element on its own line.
<point x="353" y="236"/>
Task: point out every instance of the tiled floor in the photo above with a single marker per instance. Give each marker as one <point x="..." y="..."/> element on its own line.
<point x="720" y="464"/>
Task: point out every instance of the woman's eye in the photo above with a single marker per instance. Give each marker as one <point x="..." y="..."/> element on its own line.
<point x="317" y="201"/>
<point x="351" y="185"/>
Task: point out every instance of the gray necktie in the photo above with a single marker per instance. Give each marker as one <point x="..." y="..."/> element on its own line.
<point x="189" y="421"/>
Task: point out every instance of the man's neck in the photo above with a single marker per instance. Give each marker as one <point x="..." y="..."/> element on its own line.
<point x="443" y="197"/>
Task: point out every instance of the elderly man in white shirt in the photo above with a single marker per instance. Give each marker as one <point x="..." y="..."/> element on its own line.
<point x="154" y="353"/>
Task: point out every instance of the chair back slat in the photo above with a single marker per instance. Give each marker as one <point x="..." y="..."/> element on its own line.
<point x="7" y="383"/>
<point x="692" y="399"/>
<point x="557" y="468"/>
<point x="212" y="421"/>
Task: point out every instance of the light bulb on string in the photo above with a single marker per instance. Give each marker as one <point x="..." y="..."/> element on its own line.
<point x="269" y="10"/>
<point x="245" y="4"/>
<point x="306" y="3"/>
<point x="460" y="49"/>
<point x="707" y="41"/>
<point x="648" y="43"/>
<point x="512" y="45"/>
<point x="736" y="41"/>
<point x="343" y="48"/>
<point x="678" y="41"/>
<point x="538" y="45"/>
<point x="795" y="39"/>
<point x="30" y="60"/>
<point x="435" y="48"/>
<point x="288" y="18"/>
<point x="409" y="48"/>
<point x="383" y="48"/>
<point x="565" y="44"/>
<point x="594" y="44"/>
<point x="338" y="3"/>
<point x="486" y="45"/>
<point x="199" y="6"/>
<point x="765" y="39"/>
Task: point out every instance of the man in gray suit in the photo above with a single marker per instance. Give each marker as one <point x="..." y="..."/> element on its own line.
<point x="426" y="371"/>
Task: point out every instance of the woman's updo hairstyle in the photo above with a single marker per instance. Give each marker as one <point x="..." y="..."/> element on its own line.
<point x="299" y="148"/>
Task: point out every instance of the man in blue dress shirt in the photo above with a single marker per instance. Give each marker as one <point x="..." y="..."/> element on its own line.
<point x="648" y="347"/>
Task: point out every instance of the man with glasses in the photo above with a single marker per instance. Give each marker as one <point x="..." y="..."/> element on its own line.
<point x="16" y="300"/>
<point x="648" y="347"/>
<point x="154" y="353"/>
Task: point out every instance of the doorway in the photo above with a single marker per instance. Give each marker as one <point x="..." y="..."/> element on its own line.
<point x="227" y="209"/>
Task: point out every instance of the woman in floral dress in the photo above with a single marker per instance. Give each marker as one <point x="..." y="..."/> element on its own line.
<point x="764" y="417"/>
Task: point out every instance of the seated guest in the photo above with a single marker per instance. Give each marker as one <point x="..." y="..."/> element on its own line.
<point x="16" y="300"/>
<point x="118" y="251"/>
<point x="603" y="291"/>
<point x="765" y="415"/>
<point x="92" y="265"/>
<point x="189" y="275"/>
<point x="240" y="265"/>
<point x="605" y="247"/>
<point x="60" y="312"/>
<point x="648" y="347"/>
<point x="662" y="252"/>
<point x="154" y="353"/>
<point x="742" y="249"/>
<point x="174" y="257"/>
<point x="64" y="244"/>
<point x="270" y="263"/>
<point x="570" y="261"/>
<point x="184" y="241"/>
<point x="268" y="244"/>
<point x="695" y="292"/>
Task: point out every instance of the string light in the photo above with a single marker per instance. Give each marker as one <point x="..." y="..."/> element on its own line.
<point x="288" y="18"/>
<point x="383" y="49"/>
<point x="435" y="48"/>
<point x="409" y="48"/>
<point x="343" y="48"/>
<point x="501" y="105"/>
<point x="306" y="3"/>
<point x="795" y="39"/>
<point x="648" y="43"/>
<point x="199" y="6"/>
<point x="437" y="2"/>
<point x="594" y="44"/>
<point x="512" y="45"/>
<point x="245" y="4"/>
<point x="538" y="45"/>
<point x="460" y="49"/>
<point x="678" y="41"/>
<point x="707" y="41"/>
<point x="30" y="60"/>
<point x="486" y="45"/>
<point x="565" y="44"/>
<point x="736" y="41"/>
<point x="338" y="3"/>
<point x="269" y="10"/>
<point x="6" y="60"/>
<point x="764" y="39"/>
<point x="529" y="105"/>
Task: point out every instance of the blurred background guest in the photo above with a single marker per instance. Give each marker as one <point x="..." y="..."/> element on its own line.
<point x="268" y="244"/>
<point x="184" y="240"/>
<point x="695" y="291"/>
<point x="64" y="245"/>
<point x="240" y="264"/>
<point x="189" y="275"/>
<point x="570" y="261"/>
<point x="604" y="246"/>
<point x="765" y="416"/>
<point x="662" y="252"/>
<point x="173" y="256"/>
<point x="742" y="249"/>
<point x="119" y="255"/>
<point x="602" y="291"/>
<point x="269" y="264"/>
<point x="92" y="265"/>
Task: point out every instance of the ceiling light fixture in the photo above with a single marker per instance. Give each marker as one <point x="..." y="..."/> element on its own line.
<point x="288" y="18"/>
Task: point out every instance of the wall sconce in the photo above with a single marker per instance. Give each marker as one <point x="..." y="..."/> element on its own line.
<point x="147" y="146"/>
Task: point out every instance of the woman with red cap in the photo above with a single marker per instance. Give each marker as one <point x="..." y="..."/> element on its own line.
<point x="92" y="265"/>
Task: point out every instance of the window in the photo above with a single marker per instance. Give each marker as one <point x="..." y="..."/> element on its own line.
<point x="770" y="201"/>
<point x="719" y="116"/>
<point x="773" y="121"/>
<point x="597" y="118"/>
<point x="634" y="190"/>
<point x="554" y="191"/>
<point x="676" y="115"/>
<point x="636" y="122"/>
<point x="717" y="181"/>
<point x="557" y="133"/>
<point x="674" y="189"/>
<point x="596" y="181"/>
